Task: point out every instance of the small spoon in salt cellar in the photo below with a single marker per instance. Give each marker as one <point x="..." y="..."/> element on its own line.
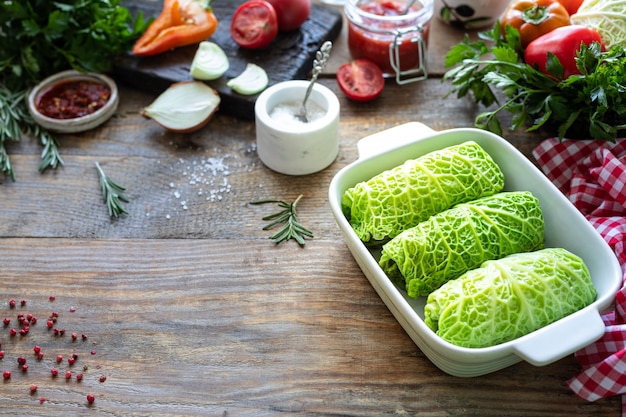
<point x="321" y="58"/>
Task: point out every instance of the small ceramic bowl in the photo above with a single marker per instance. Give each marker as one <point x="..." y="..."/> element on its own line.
<point x="291" y="147"/>
<point x="76" y="124"/>
<point x="470" y="14"/>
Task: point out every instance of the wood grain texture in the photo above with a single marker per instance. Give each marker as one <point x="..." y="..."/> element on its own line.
<point x="181" y="329"/>
<point x="193" y="311"/>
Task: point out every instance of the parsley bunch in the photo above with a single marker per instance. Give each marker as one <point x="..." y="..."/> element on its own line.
<point x="591" y="105"/>
<point x="41" y="37"/>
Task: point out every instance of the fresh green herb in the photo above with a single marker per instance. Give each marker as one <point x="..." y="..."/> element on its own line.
<point x="288" y="217"/>
<point x="591" y="105"/>
<point x="41" y="37"/>
<point x="112" y="193"/>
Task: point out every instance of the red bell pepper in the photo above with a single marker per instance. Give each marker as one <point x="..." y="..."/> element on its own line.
<point x="564" y="43"/>
<point x="181" y="22"/>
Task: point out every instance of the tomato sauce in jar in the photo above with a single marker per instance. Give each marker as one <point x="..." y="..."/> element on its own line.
<point x="72" y="99"/>
<point x="378" y="30"/>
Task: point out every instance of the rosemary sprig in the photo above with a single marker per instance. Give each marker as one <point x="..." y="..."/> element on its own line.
<point x="288" y="217"/>
<point x="15" y="119"/>
<point x="113" y="193"/>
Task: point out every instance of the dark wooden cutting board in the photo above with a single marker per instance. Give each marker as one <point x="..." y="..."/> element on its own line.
<point x="290" y="56"/>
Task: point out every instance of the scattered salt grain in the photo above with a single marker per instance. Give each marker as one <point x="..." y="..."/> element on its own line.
<point x="205" y="177"/>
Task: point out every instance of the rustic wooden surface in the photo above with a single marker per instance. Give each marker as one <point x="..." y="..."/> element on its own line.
<point x="187" y="306"/>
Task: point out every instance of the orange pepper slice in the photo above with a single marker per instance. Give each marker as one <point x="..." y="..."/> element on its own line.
<point x="181" y="22"/>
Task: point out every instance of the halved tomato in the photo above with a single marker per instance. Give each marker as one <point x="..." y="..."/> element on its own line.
<point x="254" y="24"/>
<point x="360" y="80"/>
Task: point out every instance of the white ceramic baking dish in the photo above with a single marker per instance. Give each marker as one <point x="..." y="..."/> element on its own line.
<point x="564" y="227"/>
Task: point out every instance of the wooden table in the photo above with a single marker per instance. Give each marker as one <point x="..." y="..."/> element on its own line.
<point x="189" y="308"/>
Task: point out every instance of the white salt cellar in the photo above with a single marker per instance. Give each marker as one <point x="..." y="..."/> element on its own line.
<point x="288" y="145"/>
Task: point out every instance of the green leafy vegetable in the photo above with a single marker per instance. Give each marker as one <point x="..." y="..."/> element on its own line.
<point x="288" y="217"/>
<point x="112" y="192"/>
<point x="42" y="37"/>
<point x="508" y="298"/>
<point x="400" y="198"/>
<point x="454" y="241"/>
<point x="591" y="105"/>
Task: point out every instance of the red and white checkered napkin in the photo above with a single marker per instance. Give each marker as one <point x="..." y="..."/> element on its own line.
<point x="592" y="174"/>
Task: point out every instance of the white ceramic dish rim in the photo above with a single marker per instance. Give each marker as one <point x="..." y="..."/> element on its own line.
<point x="77" y="124"/>
<point x="389" y="148"/>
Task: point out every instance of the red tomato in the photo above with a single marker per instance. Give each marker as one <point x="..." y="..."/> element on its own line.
<point x="360" y="80"/>
<point x="291" y="13"/>
<point x="254" y="24"/>
<point x="571" y="5"/>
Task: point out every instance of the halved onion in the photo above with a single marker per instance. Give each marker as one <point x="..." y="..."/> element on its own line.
<point x="184" y="107"/>
<point x="209" y="63"/>
<point x="251" y="81"/>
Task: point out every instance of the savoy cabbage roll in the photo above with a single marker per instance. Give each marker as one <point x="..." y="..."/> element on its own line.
<point x="452" y="242"/>
<point x="510" y="297"/>
<point x="380" y="208"/>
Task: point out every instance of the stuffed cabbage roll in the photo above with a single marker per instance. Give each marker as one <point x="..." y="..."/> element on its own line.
<point x="456" y="240"/>
<point x="510" y="297"/>
<point x="400" y="198"/>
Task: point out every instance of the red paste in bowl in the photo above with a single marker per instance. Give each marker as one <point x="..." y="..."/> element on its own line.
<point x="72" y="99"/>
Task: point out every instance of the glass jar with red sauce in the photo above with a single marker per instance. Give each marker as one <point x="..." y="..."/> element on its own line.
<point x="391" y="33"/>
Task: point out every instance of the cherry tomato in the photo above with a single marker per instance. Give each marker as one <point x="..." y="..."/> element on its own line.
<point x="360" y="80"/>
<point x="291" y="13"/>
<point x="571" y="5"/>
<point x="254" y="24"/>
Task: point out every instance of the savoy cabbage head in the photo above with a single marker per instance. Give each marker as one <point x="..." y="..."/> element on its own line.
<point x="456" y="240"/>
<point x="508" y="298"/>
<point x="400" y="198"/>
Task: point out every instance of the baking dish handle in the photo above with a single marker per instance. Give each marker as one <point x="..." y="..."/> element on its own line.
<point x="547" y="345"/>
<point x="392" y="138"/>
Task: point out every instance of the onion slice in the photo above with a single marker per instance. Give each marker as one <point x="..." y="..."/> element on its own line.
<point x="184" y="107"/>
<point x="251" y="81"/>
<point x="209" y="63"/>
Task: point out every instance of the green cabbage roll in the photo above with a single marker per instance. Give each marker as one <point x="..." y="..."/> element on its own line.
<point x="452" y="242"/>
<point x="510" y="297"/>
<point x="400" y="198"/>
